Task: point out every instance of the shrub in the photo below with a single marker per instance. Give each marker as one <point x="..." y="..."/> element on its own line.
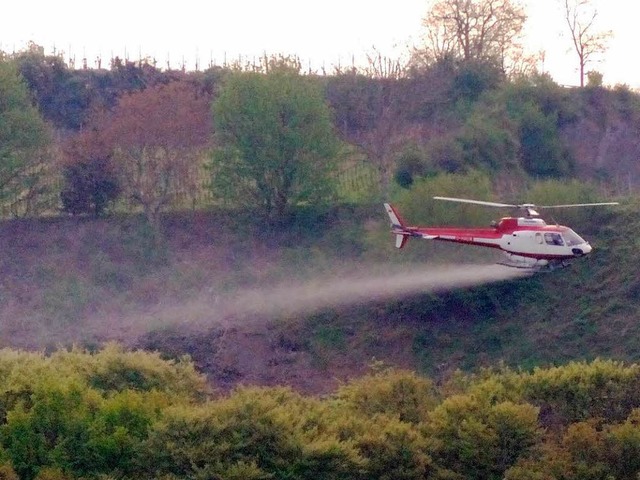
<point x="489" y="139"/>
<point x="579" y="390"/>
<point x="418" y="206"/>
<point x="267" y="432"/>
<point x="394" y="393"/>
<point x="474" y="438"/>
<point x="114" y="369"/>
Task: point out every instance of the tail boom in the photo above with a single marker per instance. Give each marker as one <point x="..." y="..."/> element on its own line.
<point x="401" y="231"/>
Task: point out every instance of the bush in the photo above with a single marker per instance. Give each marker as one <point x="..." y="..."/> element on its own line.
<point x="87" y="189"/>
<point x="388" y="447"/>
<point x="475" y="438"/>
<point x="489" y="139"/>
<point x="411" y="163"/>
<point x="263" y="432"/>
<point x="579" y="390"/>
<point x="418" y="206"/>
<point x="8" y="473"/>
<point x="397" y="394"/>
<point x="542" y="152"/>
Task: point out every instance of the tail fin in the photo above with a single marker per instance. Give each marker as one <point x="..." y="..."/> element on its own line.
<point x="397" y="226"/>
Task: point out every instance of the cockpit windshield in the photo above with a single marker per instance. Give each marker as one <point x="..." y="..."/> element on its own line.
<point x="571" y="238"/>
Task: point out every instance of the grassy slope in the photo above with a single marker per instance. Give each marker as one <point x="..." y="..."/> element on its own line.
<point x="588" y="310"/>
<point x="84" y="281"/>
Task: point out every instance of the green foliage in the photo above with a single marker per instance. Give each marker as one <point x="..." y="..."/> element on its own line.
<point x="411" y="163"/>
<point x="52" y="473"/>
<point x="276" y="142"/>
<point x="62" y="97"/>
<point x="73" y="428"/>
<point x="394" y="393"/>
<point x="131" y="415"/>
<point x="473" y="78"/>
<point x="564" y="192"/>
<point x="553" y="192"/>
<point x="535" y="113"/>
<point x="627" y="102"/>
<point x="358" y="184"/>
<point x="77" y="414"/>
<point x="447" y="154"/>
<point x="541" y="149"/>
<point x="417" y="205"/>
<point x="488" y="139"/>
<point x="388" y="448"/>
<point x="353" y="99"/>
<point x="622" y="446"/>
<point x="586" y="450"/>
<point x="23" y="134"/>
<point x="541" y="91"/>
<point x="594" y="79"/>
<point x="112" y="369"/>
<point x="476" y="438"/>
<point x="270" y="432"/>
<point x="518" y="126"/>
<point x="578" y="391"/>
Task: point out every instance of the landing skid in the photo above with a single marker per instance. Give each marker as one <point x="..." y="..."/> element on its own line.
<point x="550" y="267"/>
<point x="520" y="266"/>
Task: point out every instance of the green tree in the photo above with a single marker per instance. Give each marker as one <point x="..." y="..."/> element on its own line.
<point x="396" y="393"/>
<point x="477" y="439"/>
<point x="418" y="206"/>
<point x="276" y="142"/>
<point x="488" y="139"/>
<point x="23" y="136"/>
<point x="61" y="94"/>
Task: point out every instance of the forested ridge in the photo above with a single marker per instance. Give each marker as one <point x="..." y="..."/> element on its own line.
<point x="138" y="202"/>
<point x="137" y="138"/>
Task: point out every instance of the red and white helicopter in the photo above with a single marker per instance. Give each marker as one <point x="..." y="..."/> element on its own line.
<point x="527" y="241"/>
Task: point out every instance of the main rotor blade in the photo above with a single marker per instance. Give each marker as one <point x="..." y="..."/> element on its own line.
<point x="477" y="202"/>
<point x="578" y="205"/>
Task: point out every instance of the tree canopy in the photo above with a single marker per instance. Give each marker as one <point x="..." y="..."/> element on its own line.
<point x="23" y="134"/>
<point x="275" y="141"/>
<point x="152" y="141"/>
<point x="476" y="30"/>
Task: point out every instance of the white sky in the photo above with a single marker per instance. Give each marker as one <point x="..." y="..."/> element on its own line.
<point x="322" y="33"/>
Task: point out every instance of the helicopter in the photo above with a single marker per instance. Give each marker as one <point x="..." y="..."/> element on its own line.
<point x="527" y="241"/>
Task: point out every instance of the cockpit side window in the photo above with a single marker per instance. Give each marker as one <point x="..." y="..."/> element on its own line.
<point x="552" y="238"/>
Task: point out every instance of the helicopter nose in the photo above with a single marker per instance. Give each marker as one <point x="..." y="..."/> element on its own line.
<point x="583" y="249"/>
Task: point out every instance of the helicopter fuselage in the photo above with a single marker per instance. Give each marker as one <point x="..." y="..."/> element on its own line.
<point x="527" y="242"/>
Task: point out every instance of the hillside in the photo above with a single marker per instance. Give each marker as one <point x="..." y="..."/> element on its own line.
<point x="268" y="307"/>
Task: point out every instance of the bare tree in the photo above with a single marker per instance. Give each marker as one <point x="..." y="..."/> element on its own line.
<point x="474" y="29"/>
<point x="581" y="18"/>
